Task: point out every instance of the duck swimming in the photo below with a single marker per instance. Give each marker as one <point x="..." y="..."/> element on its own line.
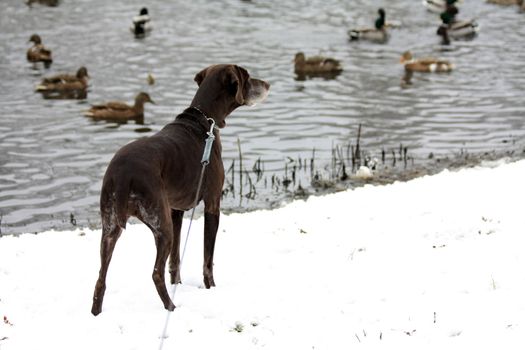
<point x="427" y="64"/>
<point x="316" y="66"/>
<point x="377" y="34"/>
<point x="38" y="53"/>
<point x="504" y="2"/>
<point x="65" y="85"/>
<point x="119" y="111"/>
<point x="465" y="29"/>
<point x="438" y="6"/>
<point x="141" y="23"/>
<point x="452" y="28"/>
<point x="150" y="79"/>
<point x="51" y="3"/>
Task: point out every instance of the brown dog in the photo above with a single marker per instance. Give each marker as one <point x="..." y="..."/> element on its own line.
<point x="155" y="178"/>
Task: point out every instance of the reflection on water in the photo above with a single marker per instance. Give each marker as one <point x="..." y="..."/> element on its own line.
<point x="52" y="158"/>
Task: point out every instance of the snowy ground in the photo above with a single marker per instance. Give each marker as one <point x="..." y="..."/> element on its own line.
<point x="434" y="263"/>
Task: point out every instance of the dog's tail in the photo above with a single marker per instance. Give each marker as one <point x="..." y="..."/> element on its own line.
<point x="114" y="198"/>
<point x="122" y="189"/>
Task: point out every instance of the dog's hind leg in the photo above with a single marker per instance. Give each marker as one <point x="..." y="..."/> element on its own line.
<point x="110" y="234"/>
<point x="211" y="224"/>
<point x="159" y="221"/>
<point x="176" y="219"/>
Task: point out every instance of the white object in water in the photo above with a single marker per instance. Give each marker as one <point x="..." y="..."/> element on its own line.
<point x="364" y="173"/>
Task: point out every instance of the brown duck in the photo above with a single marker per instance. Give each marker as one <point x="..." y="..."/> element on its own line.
<point x="38" y="53"/>
<point x="427" y="64"/>
<point x="65" y="82"/>
<point x="51" y="3"/>
<point x="119" y="111"/>
<point x="316" y="65"/>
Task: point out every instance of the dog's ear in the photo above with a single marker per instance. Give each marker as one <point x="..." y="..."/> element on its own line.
<point x="200" y="76"/>
<point x="239" y="77"/>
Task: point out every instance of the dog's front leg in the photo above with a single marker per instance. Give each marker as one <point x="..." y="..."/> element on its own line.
<point x="176" y="218"/>
<point x="211" y="224"/>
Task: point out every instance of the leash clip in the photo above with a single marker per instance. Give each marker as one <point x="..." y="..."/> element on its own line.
<point x="209" y="142"/>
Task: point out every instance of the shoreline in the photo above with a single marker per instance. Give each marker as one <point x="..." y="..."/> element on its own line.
<point x="386" y="174"/>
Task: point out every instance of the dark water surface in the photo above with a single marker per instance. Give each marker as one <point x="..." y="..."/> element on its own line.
<point x="52" y="158"/>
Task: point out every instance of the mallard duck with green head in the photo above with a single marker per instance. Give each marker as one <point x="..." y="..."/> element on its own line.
<point x="378" y="33"/>
<point x="141" y="23"/>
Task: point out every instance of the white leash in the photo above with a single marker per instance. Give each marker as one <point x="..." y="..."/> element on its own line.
<point x="204" y="161"/>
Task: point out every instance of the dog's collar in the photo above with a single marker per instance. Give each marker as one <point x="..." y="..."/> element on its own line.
<point x="198" y="116"/>
<point x="208" y="119"/>
<point x="200" y="111"/>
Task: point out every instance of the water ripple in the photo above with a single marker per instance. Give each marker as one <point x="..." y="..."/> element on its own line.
<point x="52" y="158"/>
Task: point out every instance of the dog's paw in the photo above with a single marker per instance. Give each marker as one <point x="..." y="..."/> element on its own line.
<point x="96" y="309"/>
<point x="170" y="307"/>
<point x="175" y="279"/>
<point x="209" y="282"/>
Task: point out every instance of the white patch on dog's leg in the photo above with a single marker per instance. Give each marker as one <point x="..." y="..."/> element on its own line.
<point x="152" y="220"/>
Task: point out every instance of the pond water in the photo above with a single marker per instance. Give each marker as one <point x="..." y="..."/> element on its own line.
<point x="52" y="158"/>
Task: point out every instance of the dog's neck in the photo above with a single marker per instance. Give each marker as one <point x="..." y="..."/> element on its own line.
<point x="214" y="107"/>
<point x="198" y="116"/>
<point x="201" y="112"/>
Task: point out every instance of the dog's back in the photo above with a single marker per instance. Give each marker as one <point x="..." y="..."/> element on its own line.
<point x="165" y="163"/>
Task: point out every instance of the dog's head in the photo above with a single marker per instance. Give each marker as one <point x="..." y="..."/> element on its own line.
<point x="229" y="86"/>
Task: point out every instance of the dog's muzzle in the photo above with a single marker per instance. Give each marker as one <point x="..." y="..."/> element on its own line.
<point x="258" y="92"/>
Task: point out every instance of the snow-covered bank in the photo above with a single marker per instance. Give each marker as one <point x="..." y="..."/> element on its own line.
<point x="434" y="263"/>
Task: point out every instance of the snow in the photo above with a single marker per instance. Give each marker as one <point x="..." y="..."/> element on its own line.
<point x="434" y="263"/>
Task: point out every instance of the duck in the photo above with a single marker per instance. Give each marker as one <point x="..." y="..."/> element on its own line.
<point x="38" y="53"/>
<point x="150" y="79"/>
<point x="504" y="2"/>
<point x="438" y="6"/>
<point x="465" y="29"/>
<point x="120" y="111"/>
<point x="427" y="64"/>
<point x="51" y="3"/>
<point x="316" y="66"/>
<point x="378" y="34"/>
<point x="65" y="85"/>
<point x="451" y="28"/>
<point x="141" y="23"/>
